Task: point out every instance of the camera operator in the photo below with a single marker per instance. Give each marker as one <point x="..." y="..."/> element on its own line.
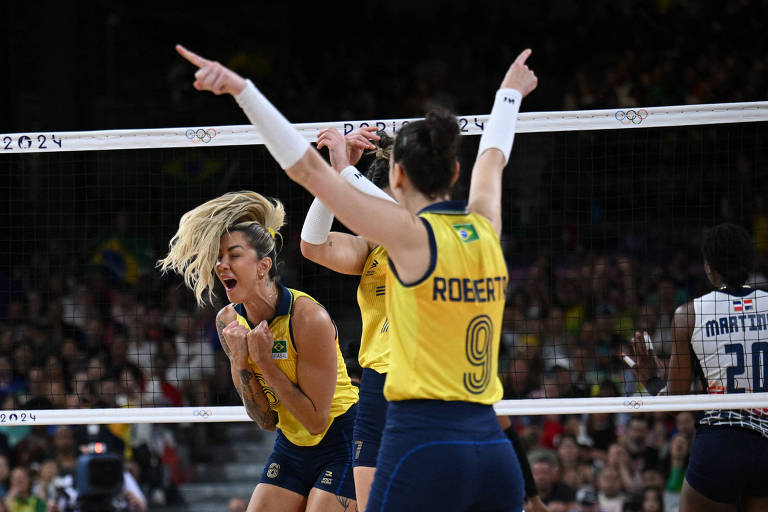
<point x="99" y="484"/>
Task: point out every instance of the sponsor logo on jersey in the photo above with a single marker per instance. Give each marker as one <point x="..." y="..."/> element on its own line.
<point x="371" y="270"/>
<point x="328" y="478"/>
<point x="466" y="232"/>
<point x="280" y="349"/>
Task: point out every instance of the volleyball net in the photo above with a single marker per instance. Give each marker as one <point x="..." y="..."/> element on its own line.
<point x="603" y="214"/>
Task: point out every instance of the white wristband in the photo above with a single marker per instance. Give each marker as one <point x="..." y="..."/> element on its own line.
<point x="317" y="224"/>
<point x="363" y="184"/>
<point x="282" y="140"/>
<point x="499" y="131"/>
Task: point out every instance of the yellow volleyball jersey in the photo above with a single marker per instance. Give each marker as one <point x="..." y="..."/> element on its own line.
<point x="445" y="328"/>
<point x="374" y="344"/>
<point x="284" y="356"/>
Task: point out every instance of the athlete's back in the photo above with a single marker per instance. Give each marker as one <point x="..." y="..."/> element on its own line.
<point x="730" y="339"/>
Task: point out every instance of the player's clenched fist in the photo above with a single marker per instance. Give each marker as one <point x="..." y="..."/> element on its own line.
<point x="235" y="336"/>
<point x="212" y="76"/>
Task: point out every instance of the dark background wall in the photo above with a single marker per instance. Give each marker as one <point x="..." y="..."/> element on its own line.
<point x="102" y="65"/>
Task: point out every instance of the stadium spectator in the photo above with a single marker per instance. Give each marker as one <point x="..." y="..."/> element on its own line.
<point x="19" y="497"/>
<point x="546" y="475"/>
<point x="611" y="497"/>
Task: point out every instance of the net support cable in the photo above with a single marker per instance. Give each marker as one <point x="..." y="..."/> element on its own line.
<point x="758" y="402"/>
<point x="239" y="135"/>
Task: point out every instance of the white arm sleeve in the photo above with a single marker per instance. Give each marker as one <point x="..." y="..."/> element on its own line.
<point x="319" y="219"/>
<point x="499" y="131"/>
<point x="363" y="184"/>
<point x="282" y="140"/>
<point x="317" y="224"/>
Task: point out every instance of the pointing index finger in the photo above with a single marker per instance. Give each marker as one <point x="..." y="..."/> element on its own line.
<point x="191" y="56"/>
<point x="523" y="56"/>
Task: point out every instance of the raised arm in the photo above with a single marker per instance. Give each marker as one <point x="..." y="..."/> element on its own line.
<point x="402" y="233"/>
<point x="496" y="141"/>
<point x="649" y="370"/>
<point x="314" y="334"/>
<point x="247" y="382"/>
<point x="341" y="252"/>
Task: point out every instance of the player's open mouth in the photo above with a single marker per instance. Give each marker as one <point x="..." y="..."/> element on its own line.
<point x="229" y="284"/>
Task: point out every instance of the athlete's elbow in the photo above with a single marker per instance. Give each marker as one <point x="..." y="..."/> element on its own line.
<point x="317" y="425"/>
<point x="267" y="421"/>
<point x="309" y="251"/>
<point x="269" y="427"/>
<point x="316" y="429"/>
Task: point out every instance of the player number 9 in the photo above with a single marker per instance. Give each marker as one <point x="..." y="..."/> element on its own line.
<point x="478" y="352"/>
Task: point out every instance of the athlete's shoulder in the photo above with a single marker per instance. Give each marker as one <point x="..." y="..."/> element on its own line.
<point x="226" y="314"/>
<point x="311" y="320"/>
<point x="685" y="314"/>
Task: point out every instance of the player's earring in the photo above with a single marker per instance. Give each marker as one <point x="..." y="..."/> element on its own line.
<point x="261" y="276"/>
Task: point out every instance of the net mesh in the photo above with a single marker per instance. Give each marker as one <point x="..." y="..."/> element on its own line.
<point x="601" y="234"/>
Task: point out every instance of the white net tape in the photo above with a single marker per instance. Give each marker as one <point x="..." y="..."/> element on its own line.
<point x="757" y="402"/>
<point x="528" y="122"/>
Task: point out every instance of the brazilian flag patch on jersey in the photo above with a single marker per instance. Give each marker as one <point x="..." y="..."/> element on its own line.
<point x="466" y="232"/>
<point x="280" y="349"/>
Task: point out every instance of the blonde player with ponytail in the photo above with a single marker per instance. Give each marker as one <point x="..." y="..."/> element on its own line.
<point x="283" y="351"/>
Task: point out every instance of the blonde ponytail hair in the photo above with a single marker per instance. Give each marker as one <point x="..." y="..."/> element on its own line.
<point x="194" y="249"/>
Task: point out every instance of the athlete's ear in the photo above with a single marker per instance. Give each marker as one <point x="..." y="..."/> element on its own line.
<point x="264" y="265"/>
<point x="396" y="176"/>
<point x="455" y="176"/>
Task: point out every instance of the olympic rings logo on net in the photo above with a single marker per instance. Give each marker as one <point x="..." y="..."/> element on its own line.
<point x="202" y="413"/>
<point x="201" y="135"/>
<point x="631" y="116"/>
<point x="633" y="404"/>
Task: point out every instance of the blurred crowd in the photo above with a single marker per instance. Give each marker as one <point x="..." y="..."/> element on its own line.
<point x="609" y="463"/>
<point x="87" y="343"/>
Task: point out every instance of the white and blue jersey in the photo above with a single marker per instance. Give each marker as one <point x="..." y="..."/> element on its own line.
<point x="730" y="339"/>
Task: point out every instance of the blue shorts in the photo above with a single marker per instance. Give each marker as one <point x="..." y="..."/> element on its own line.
<point x="445" y="456"/>
<point x="371" y="417"/>
<point x="727" y="464"/>
<point x="327" y="465"/>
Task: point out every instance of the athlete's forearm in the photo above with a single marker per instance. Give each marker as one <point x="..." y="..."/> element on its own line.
<point x="529" y="483"/>
<point x="255" y="401"/>
<point x="313" y="416"/>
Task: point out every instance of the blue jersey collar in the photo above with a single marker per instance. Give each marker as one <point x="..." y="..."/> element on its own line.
<point x="446" y="207"/>
<point x="283" y="308"/>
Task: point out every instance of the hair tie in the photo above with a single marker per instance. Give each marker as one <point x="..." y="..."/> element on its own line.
<point x="271" y="232"/>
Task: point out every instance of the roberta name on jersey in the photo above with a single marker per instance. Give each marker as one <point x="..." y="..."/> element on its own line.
<point x="455" y="289"/>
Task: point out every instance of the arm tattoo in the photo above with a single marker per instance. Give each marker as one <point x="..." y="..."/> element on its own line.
<point x="220" y="329"/>
<point x="264" y="419"/>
